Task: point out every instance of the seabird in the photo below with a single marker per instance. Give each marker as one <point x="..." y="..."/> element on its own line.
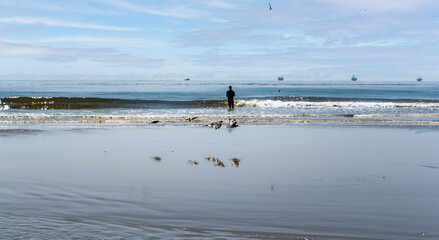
<point x="233" y="123"/>
<point x="210" y="125"/>
<point x="269" y="7"/>
<point x="218" y="124"/>
<point x="235" y="162"/>
<point x="190" y="119"/>
<point x="155" y="121"/>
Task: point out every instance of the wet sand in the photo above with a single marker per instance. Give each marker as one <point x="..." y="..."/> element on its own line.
<point x="291" y="182"/>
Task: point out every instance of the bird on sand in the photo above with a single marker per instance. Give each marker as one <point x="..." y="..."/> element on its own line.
<point x="210" y="125"/>
<point x="233" y="123"/>
<point x="190" y="119"/>
<point x="269" y="7"/>
<point x="218" y="124"/>
<point x="155" y="121"/>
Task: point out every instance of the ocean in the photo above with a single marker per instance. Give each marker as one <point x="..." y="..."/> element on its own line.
<point x="132" y="103"/>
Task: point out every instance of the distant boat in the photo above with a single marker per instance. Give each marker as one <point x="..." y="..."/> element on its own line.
<point x="419" y="79"/>
<point x="354" y="78"/>
<point x="281" y="78"/>
<point x="186" y="79"/>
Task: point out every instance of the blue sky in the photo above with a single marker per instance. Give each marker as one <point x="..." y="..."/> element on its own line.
<point x="214" y="40"/>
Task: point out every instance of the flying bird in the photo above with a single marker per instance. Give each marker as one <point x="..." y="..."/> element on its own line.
<point x="269" y="7"/>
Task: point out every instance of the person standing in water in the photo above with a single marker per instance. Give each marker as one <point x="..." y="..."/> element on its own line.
<point x="230" y="95"/>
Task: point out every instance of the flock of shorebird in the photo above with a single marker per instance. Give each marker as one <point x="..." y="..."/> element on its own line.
<point x="217" y="163"/>
<point x="217" y="125"/>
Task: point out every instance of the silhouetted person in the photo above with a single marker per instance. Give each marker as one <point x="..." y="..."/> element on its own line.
<point x="230" y="95"/>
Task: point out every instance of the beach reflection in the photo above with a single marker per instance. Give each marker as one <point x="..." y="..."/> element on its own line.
<point x="296" y="183"/>
<point x="216" y="161"/>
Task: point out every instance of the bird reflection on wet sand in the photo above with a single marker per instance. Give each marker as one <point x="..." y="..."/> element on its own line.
<point x="219" y="163"/>
<point x="211" y="159"/>
<point x="157" y="158"/>
<point x="235" y="162"/>
<point x="190" y="162"/>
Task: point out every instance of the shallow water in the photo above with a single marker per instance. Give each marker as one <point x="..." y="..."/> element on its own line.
<point x="291" y="183"/>
<point x="131" y="103"/>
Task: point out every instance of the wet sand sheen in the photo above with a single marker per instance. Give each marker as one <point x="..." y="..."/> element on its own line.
<point x="290" y="182"/>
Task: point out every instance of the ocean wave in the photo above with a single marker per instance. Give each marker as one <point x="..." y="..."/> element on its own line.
<point x="55" y="103"/>
<point x="257" y="103"/>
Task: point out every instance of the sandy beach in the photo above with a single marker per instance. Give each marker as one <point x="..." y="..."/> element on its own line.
<point x="278" y="182"/>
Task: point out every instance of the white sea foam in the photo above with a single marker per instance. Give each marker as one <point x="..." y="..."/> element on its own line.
<point x="44" y="119"/>
<point x="257" y="103"/>
<point x="4" y="106"/>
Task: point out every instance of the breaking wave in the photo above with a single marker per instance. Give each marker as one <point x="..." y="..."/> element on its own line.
<point x="257" y="103"/>
<point x="54" y="103"/>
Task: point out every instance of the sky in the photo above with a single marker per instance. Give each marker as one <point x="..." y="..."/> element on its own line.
<point x="214" y="40"/>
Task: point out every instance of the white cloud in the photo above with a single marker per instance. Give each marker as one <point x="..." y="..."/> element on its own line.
<point x="221" y="4"/>
<point x="385" y="43"/>
<point x="378" y="5"/>
<point x="78" y="6"/>
<point x="52" y="54"/>
<point x="166" y="10"/>
<point x="90" y="40"/>
<point x="15" y="49"/>
<point x="57" y="23"/>
<point x="85" y="39"/>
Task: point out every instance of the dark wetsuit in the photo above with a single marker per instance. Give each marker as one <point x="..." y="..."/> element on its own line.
<point x="230" y="94"/>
